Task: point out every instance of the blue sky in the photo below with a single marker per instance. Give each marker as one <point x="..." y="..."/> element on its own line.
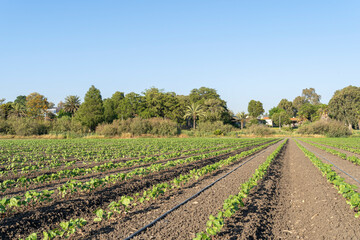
<point x="262" y="50"/>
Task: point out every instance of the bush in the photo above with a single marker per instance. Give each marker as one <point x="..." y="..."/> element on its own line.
<point x="67" y="124"/>
<point x="5" y="127"/>
<point x="28" y="126"/>
<point x="260" y="130"/>
<point x="330" y="128"/>
<point x="107" y="129"/>
<point x="138" y="127"/>
<point x="163" y="127"/>
<point x="216" y="128"/>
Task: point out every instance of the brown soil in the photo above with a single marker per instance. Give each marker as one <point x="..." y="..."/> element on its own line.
<point x="190" y="218"/>
<point x="51" y="185"/>
<point x="48" y="215"/>
<point x="293" y="202"/>
<point x="348" y="153"/>
<point x="345" y="165"/>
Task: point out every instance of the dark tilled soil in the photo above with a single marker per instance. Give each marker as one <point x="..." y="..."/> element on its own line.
<point x="49" y="215"/>
<point x="348" y="153"/>
<point x="51" y="185"/>
<point x="345" y="165"/>
<point x="295" y="203"/>
<point x="190" y="218"/>
<point x="256" y="219"/>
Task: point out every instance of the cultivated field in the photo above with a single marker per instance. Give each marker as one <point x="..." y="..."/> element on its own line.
<point x="193" y="188"/>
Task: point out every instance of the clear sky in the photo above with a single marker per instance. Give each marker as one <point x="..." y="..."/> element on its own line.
<point x="262" y="50"/>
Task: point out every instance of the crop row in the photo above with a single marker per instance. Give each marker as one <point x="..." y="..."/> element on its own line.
<point x="39" y="150"/>
<point x="127" y="202"/>
<point x="347" y="190"/>
<point x="234" y="202"/>
<point x="348" y="144"/>
<point x="353" y="159"/>
<point x="67" y="173"/>
<point x="153" y="192"/>
<point x="35" y="160"/>
<point x="74" y="186"/>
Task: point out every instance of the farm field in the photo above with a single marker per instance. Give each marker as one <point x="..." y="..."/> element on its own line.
<point x="216" y="188"/>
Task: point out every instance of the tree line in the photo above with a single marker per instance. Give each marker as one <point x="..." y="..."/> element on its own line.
<point x="203" y="104"/>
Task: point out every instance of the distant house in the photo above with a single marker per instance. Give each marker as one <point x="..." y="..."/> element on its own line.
<point x="268" y="121"/>
<point x="295" y="122"/>
<point x="52" y="110"/>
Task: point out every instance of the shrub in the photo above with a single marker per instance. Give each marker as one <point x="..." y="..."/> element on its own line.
<point x="138" y="127"/>
<point x="67" y="124"/>
<point x="218" y="132"/>
<point x="5" y="127"/>
<point x="107" y="129"/>
<point x="29" y="126"/>
<point x="330" y="128"/>
<point x="260" y="130"/>
<point x="219" y="127"/>
<point x="163" y="127"/>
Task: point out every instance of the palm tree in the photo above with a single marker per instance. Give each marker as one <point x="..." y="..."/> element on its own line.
<point x="193" y="111"/>
<point x="241" y="118"/>
<point x="19" y="110"/>
<point x="72" y="104"/>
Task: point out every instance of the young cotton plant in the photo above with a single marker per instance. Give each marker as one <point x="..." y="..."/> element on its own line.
<point x="234" y="202"/>
<point x="347" y="190"/>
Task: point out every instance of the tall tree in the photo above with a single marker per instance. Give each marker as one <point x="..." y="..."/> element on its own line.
<point x="255" y="108"/>
<point x="194" y="111"/>
<point x="18" y="110"/>
<point x="281" y="118"/>
<point x="5" y="109"/>
<point x="131" y="106"/>
<point x="274" y="110"/>
<point x="308" y="112"/>
<point x="311" y="96"/>
<point x="72" y="104"/>
<point x="287" y="106"/>
<point x="91" y="111"/>
<point x="21" y="99"/>
<point x="202" y="94"/>
<point x="111" y="104"/>
<point x="298" y="102"/>
<point x="345" y="104"/>
<point x="36" y="105"/>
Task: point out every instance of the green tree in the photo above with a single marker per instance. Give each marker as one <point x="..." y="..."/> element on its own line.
<point x="281" y="118"/>
<point x="297" y="103"/>
<point x="241" y="117"/>
<point x="202" y="94"/>
<point x="5" y="109"/>
<point x="36" y="105"/>
<point x="131" y="106"/>
<point x="110" y="106"/>
<point x="311" y="96"/>
<point x="345" y="104"/>
<point x="255" y="108"/>
<point x="287" y="106"/>
<point x="91" y="111"/>
<point x="194" y="111"/>
<point x="21" y="99"/>
<point x="275" y="110"/>
<point x="72" y="104"/>
<point x="18" y="110"/>
<point x="308" y="111"/>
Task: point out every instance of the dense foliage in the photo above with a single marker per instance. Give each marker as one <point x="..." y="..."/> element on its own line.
<point x="331" y="128"/>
